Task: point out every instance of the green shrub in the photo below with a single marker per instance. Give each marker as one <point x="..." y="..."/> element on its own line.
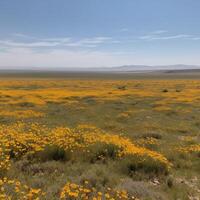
<point x="101" y="151"/>
<point x="121" y="87"/>
<point x="134" y="164"/>
<point x="165" y="90"/>
<point x="53" y="152"/>
<point x="16" y="154"/>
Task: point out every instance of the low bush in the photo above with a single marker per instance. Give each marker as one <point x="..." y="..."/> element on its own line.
<point x="152" y="135"/>
<point x="101" y="151"/>
<point x="53" y="152"/>
<point x="170" y="182"/>
<point x="26" y="104"/>
<point x="121" y="87"/>
<point x="16" y="154"/>
<point x="165" y="90"/>
<point x="134" y="164"/>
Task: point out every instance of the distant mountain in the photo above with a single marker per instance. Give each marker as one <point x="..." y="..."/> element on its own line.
<point x="132" y="68"/>
<point x="182" y="71"/>
<point x="153" y="68"/>
<point x="124" y="68"/>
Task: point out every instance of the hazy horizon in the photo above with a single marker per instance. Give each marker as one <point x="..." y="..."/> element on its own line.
<point x="104" y="68"/>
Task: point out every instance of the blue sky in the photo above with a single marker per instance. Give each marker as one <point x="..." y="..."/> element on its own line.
<point x="95" y="33"/>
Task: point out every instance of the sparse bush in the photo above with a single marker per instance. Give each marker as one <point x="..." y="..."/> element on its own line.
<point x="122" y="117"/>
<point x="170" y="182"/>
<point x="152" y="135"/>
<point x="121" y="87"/>
<point x="53" y="152"/>
<point x="26" y="104"/>
<point x="139" y="189"/>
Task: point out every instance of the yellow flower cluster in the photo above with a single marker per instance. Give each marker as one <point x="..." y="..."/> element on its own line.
<point x="188" y="138"/>
<point x="84" y="192"/>
<point x="21" y="114"/>
<point x="146" y="141"/>
<point x="189" y="149"/>
<point x="13" y="189"/>
<point x="4" y="160"/>
<point x="35" y="138"/>
<point x="39" y="92"/>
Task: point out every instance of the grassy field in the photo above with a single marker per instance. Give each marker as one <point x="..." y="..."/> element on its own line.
<point x="118" y="137"/>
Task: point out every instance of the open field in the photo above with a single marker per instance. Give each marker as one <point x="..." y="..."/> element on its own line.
<point x="100" y="137"/>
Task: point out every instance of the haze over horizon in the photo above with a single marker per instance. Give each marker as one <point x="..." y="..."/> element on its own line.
<point x="93" y="33"/>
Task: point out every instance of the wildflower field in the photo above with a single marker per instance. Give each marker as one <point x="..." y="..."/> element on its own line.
<point x="99" y="139"/>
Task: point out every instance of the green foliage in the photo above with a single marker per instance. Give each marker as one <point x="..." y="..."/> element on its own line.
<point x="122" y="87"/>
<point x="132" y="165"/>
<point x="54" y="152"/>
<point x="102" y="151"/>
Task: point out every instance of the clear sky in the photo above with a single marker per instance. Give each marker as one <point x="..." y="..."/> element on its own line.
<point x="95" y="33"/>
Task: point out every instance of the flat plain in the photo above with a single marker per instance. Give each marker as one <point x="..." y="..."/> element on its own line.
<point x="99" y="136"/>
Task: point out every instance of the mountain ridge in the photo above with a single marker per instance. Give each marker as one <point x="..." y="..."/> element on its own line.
<point x="123" y="68"/>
